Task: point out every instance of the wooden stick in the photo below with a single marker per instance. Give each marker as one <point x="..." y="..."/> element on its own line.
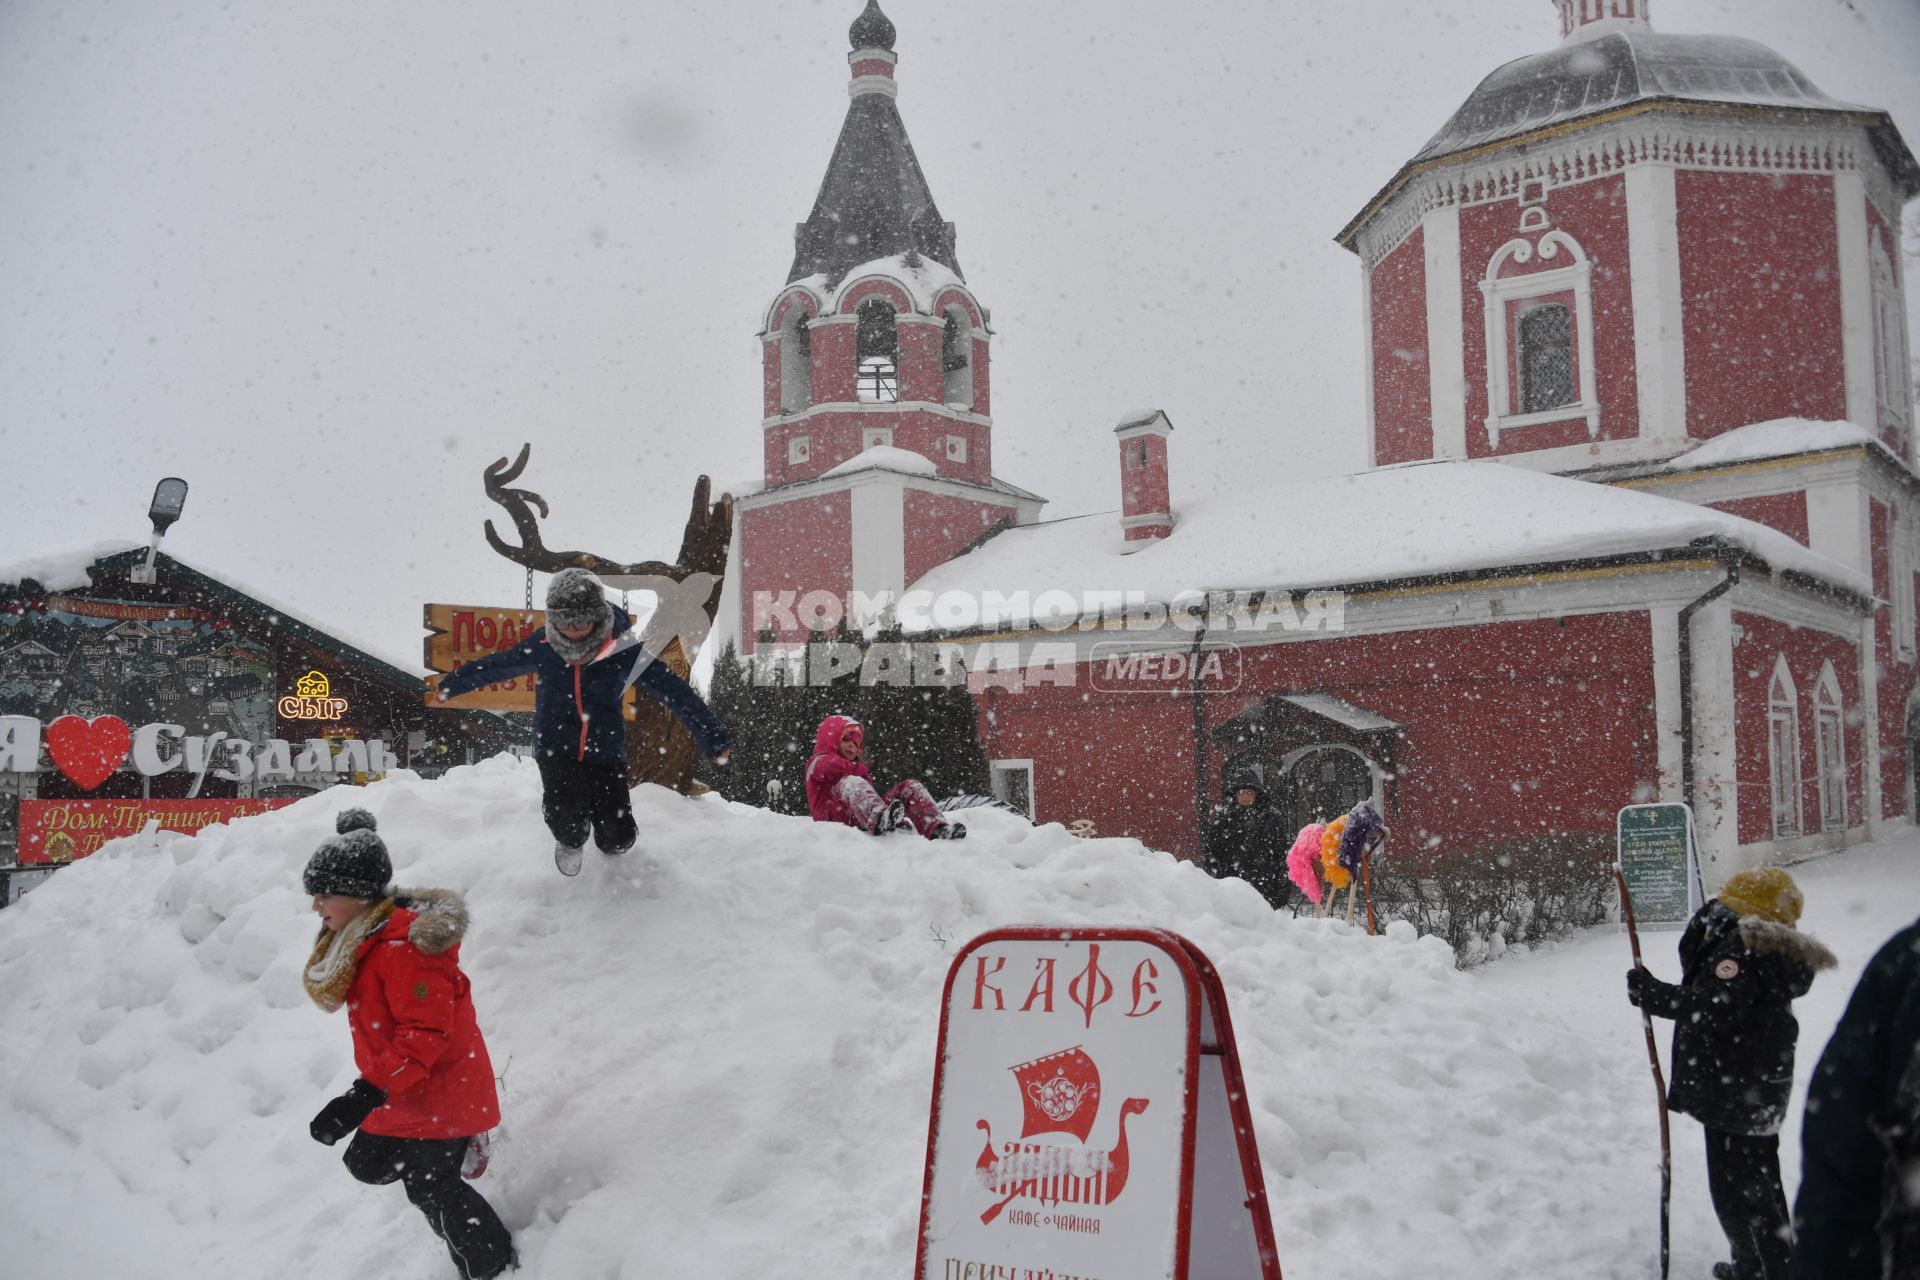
<point x="1659" y="1080"/>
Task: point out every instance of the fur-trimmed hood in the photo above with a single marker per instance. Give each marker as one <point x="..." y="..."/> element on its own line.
<point x="1764" y="937"/>
<point x="439" y="918"/>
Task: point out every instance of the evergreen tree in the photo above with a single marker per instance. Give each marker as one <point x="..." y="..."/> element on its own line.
<point x="929" y="733"/>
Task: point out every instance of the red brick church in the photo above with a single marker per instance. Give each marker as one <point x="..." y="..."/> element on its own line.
<point x="1641" y="519"/>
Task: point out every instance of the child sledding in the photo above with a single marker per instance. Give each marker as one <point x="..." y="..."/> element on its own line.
<point x="840" y="788"/>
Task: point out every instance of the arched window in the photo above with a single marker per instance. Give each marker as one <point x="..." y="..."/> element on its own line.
<point x="956" y="359"/>
<point x="1546" y="358"/>
<point x="877" y="378"/>
<point x="1783" y="751"/>
<point x="1539" y="326"/>
<point x="796" y="361"/>
<point x="1830" y="748"/>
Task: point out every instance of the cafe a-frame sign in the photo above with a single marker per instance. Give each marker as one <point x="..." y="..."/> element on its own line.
<point x="1089" y="1118"/>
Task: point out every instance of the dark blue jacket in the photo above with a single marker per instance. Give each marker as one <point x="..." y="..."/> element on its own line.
<point x="576" y="710"/>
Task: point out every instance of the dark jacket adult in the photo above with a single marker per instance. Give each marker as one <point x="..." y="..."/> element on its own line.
<point x="576" y="708"/>
<point x="1733" y="1023"/>
<point x="1862" y="1122"/>
<point x="414" y="1032"/>
<point x="1248" y="841"/>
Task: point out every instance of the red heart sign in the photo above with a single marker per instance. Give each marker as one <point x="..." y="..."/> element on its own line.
<point x="88" y="751"/>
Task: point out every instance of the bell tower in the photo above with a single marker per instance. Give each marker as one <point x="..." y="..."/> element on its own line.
<point x="876" y="426"/>
<point x="875" y="339"/>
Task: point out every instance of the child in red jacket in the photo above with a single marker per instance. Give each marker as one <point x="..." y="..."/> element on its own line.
<point x="426" y="1085"/>
<point x="840" y="788"/>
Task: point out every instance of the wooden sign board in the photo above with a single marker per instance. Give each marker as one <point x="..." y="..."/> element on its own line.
<point x="459" y="633"/>
<point x="1656" y="854"/>
<point x="1089" y="1117"/>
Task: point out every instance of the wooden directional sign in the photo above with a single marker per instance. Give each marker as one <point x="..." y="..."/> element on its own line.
<point x="1089" y="1117"/>
<point x="1657" y="857"/>
<point x="460" y="633"/>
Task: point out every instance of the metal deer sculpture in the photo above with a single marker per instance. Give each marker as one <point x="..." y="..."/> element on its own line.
<point x="659" y="749"/>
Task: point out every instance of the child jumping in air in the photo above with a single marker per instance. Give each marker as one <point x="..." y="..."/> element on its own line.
<point x="425" y="1089"/>
<point x="840" y="788"/>
<point x="1742" y="965"/>
<point x="583" y="661"/>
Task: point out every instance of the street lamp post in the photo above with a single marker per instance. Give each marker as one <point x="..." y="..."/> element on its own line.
<point x="169" y="496"/>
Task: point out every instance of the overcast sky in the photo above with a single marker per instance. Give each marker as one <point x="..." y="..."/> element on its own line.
<point x="327" y="260"/>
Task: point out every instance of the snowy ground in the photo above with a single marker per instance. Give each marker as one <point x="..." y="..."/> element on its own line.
<point x="717" y="1054"/>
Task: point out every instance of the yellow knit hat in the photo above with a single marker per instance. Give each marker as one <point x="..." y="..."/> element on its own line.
<point x="1768" y="893"/>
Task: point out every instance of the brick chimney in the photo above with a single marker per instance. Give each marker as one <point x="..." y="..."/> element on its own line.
<point x="1587" y="19"/>
<point x="1145" y="509"/>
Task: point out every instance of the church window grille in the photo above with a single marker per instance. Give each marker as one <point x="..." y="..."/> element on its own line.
<point x="1783" y="751"/>
<point x="1546" y="358"/>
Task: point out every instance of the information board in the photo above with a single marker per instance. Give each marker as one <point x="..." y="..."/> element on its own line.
<point x="1656" y="854"/>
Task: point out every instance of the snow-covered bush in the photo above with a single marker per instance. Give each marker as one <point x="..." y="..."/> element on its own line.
<point x="1506" y="894"/>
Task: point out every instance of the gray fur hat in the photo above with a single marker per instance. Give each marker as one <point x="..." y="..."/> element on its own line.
<point x="574" y="597"/>
<point x="352" y="864"/>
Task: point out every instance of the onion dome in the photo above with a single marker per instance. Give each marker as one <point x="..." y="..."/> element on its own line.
<point x="871" y="30"/>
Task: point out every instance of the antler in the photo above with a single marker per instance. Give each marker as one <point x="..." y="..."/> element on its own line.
<point x="533" y="554"/>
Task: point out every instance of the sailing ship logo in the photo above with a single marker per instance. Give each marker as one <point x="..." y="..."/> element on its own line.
<point x="1059" y="1094"/>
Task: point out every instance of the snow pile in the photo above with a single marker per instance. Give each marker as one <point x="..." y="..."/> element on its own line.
<point x="887" y="458"/>
<point x="1777" y="438"/>
<point x="717" y="1053"/>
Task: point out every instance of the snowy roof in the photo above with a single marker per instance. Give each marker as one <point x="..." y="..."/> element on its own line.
<point x="925" y="280"/>
<point x="1340" y="711"/>
<point x="1618" y="69"/>
<point x="1383" y="525"/>
<point x="1628" y="68"/>
<point x="885" y="457"/>
<point x="1779" y="438"/>
<point x="874" y="200"/>
<point x="67" y="569"/>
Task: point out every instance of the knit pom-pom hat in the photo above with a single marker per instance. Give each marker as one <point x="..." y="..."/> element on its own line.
<point x="352" y="864"/>
<point x="1767" y="893"/>
<point x="1300" y="860"/>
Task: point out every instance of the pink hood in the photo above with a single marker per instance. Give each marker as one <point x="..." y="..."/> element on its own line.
<point x="826" y="739"/>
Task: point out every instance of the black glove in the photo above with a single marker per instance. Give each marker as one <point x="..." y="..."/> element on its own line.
<point x="345" y="1113"/>
<point x="1638" y="980"/>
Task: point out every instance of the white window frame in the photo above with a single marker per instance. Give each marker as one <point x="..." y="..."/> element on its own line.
<point x="1892" y="368"/>
<point x="799" y="450"/>
<point x="1830" y="748"/>
<point x="956" y="448"/>
<point x="1783" y="750"/>
<point x="997" y="771"/>
<point x="1497" y="291"/>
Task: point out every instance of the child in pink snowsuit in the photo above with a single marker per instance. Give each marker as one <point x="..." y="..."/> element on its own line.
<point x="840" y="788"/>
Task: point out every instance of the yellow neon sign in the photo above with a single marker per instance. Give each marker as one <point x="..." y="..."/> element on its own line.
<point x="312" y="699"/>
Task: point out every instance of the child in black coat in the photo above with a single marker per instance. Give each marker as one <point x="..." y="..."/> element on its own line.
<point x="1742" y="965"/>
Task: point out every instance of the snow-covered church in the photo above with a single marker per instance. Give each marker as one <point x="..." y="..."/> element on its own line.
<point x="1640" y="524"/>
